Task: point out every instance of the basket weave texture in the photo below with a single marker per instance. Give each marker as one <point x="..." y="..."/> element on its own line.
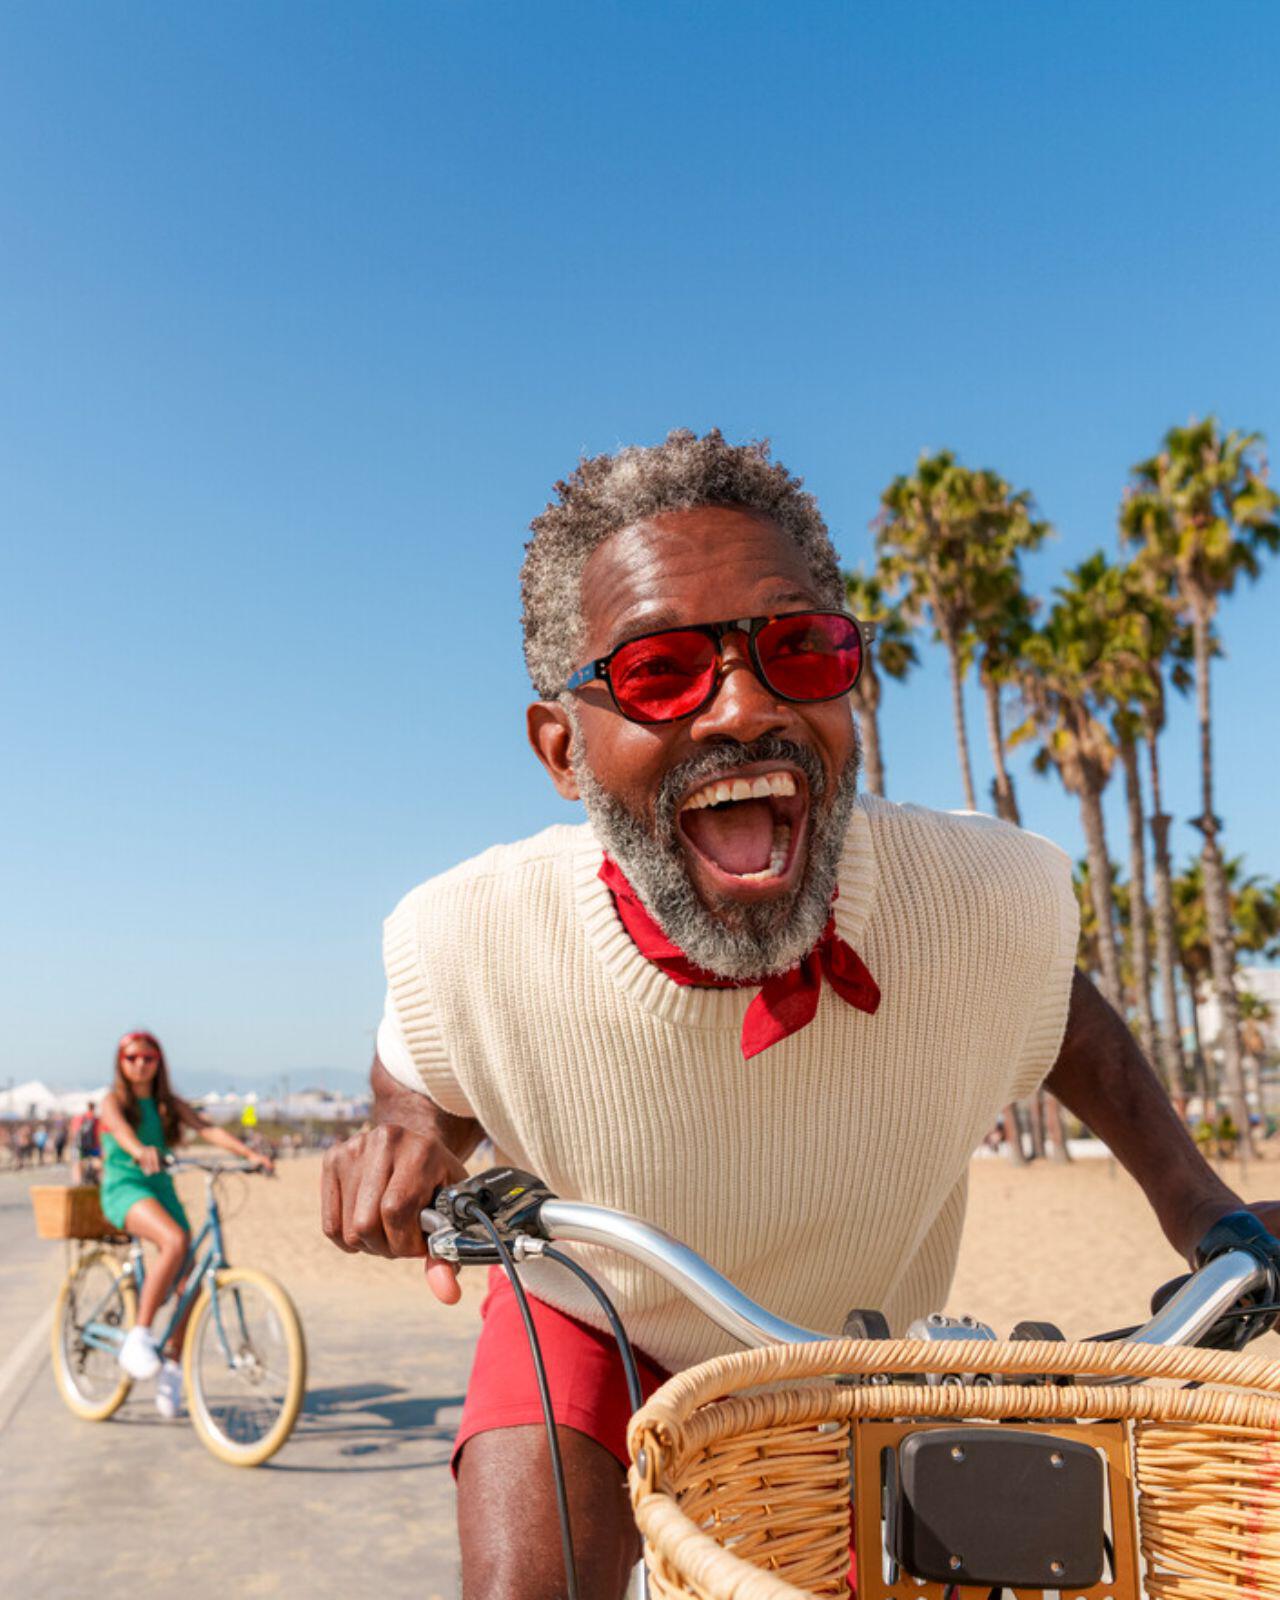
<point x="69" y="1211"/>
<point x="744" y="1492"/>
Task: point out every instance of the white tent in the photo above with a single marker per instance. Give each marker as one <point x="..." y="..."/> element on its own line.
<point x="37" y="1100"/>
<point x="32" y="1099"/>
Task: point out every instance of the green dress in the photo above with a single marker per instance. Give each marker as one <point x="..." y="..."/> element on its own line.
<point x="124" y="1182"/>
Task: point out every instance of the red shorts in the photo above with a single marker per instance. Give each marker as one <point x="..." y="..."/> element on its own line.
<point x="584" y="1374"/>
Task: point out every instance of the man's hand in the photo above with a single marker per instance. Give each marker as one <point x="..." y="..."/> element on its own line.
<point x="1266" y="1211"/>
<point x="374" y="1185"/>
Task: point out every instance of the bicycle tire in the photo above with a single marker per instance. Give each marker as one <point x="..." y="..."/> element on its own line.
<point x="66" y="1357"/>
<point x="206" y="1414"/>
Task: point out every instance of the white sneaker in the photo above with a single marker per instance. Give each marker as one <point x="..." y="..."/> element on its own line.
<point x="138" y="1354"/>
<point x="169" y="1390"/>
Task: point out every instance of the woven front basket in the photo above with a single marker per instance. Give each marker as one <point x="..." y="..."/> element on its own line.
<point x="741" y="1467"/>
<point x="69" y="1211"/>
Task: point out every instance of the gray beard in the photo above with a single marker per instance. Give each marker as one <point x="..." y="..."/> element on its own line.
<point x="736" y="941"/>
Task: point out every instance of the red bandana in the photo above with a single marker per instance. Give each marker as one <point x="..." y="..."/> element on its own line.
<point x="787" y="1001"/>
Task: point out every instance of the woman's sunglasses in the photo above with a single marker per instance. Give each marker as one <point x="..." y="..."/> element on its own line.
<point x="804" y="656"/>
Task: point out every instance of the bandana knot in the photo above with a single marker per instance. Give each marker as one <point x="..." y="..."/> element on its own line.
<point x="787" y="1002"/>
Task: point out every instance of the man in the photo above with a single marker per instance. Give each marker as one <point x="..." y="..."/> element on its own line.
<point x="743" y="1002"/>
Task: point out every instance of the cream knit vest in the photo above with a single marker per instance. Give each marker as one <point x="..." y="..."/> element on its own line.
<point x="827" y="1173"/>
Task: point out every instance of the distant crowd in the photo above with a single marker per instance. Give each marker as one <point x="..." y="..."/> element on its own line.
<point x="35" y="1143"/>
<point x="53" y="1141"/>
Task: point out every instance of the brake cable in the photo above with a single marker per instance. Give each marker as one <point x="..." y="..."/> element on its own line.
<point x="467" y="1207"/>
<point x="615" y="1323"/>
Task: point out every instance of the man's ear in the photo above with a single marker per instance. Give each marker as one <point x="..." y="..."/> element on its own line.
<point x="551" y="735"/>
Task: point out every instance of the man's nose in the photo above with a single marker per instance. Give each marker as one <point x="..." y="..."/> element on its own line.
<point x="743" y="708"/>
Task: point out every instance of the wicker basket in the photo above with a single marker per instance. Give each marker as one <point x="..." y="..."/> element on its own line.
<point x="69" y="1211"/>
<point x="743" y="1492"/>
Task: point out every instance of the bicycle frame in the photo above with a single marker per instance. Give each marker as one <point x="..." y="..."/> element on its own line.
<point x="197" y="1269"/>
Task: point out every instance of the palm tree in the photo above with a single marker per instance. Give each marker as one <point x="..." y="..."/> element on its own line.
<point x="1139" y="631"/>
<point x="894" y="655"/>
<point x="1195" y="962"/>
<point x="1254" y="909"/>
<point x="945" y="534"/>
<point x="1202" y="511"/>
<point x="1001" y="628"/>
<point x="1062" y="681"/>
<point x="1088" y="957"/>
<point x="1255" y="1013"/>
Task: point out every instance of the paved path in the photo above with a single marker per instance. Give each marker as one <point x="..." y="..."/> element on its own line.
<point x="358" y="1502"/>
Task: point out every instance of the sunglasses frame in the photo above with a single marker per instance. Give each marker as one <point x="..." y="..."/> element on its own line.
<point x="752" y="627"/>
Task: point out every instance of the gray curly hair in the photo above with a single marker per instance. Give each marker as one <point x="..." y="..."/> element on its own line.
<point x="606" y="493"/>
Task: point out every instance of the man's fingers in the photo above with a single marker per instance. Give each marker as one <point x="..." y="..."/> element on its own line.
<point x="403" y="1200"/>
<point x="373" y="1188"/>
<point x="412" y="1186"/>
<point x="363" y="1227"/>
<point x="442" y="1280"/>
<point x="331" y="1199"/>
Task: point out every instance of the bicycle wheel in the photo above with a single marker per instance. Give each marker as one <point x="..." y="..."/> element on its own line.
<point x="89" y="1378"/>
<point x="245" y="1365"/>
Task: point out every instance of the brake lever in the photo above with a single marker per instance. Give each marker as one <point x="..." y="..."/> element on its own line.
<point x="510" y="1198"/>
<point x="1241" y="1230"/>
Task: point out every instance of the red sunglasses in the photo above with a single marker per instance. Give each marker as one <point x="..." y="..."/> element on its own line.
<point x="802" y="657"/>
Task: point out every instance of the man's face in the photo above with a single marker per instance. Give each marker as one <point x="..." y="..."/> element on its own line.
<point x="743" y="880"/>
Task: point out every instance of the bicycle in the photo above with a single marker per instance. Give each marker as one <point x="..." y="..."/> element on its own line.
<point x="958" y="1461"/>
<point x="244" y="1356"/>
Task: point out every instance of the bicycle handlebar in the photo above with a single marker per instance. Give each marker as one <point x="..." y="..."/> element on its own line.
<point x="576" y="1222"/>
<point x="530" y="1216"/>
<point x="177" y="1163"/>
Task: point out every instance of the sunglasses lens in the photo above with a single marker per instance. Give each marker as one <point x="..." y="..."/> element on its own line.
<point x="664" y="676"/>
<point x="810" y="656"/>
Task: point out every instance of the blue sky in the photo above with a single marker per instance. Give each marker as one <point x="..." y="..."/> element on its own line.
<point x="304" y="307"/>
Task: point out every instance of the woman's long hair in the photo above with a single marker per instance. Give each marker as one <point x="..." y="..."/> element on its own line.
<point x="160" y="1090"/>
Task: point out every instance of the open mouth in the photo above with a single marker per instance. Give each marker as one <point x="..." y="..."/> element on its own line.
<point x="747" y="825"/>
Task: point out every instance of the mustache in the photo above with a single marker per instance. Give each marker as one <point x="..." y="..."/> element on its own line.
<point x="725" y="758"/>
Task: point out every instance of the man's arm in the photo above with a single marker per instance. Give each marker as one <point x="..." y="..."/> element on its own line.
<point x="374" y="1185"/>
<point x="396" y="1106"/>
<point x="1104" y="1078"/>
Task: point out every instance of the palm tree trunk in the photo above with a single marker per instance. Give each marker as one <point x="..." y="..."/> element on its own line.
<point x="1057" y="1129"/>
<point x="1035" y="1105"/>
<point x="957" y="710"/>
<point x="1166" y="929"/>
<point x="866" y="702"/>
<point x="1013" y="1137"/>
<point x="1222" y="953"/>
<point x="1139" y="923"/>
<point x="1002" y="789"/>
<point x="1208" y="1087"/>
<point x="1100" y="891"/>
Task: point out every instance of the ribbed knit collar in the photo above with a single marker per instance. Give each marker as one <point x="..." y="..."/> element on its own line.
<point x="695" y="1007"/>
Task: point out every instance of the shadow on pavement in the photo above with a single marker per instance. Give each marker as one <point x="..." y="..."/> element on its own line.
<point x="355" y="1422"/>
<point x="373" y="1420"/>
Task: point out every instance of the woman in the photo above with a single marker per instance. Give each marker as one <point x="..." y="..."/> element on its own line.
<point x="140" y="1121"/>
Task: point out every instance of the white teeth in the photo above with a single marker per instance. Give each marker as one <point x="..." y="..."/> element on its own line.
<point x="723" y="791"/>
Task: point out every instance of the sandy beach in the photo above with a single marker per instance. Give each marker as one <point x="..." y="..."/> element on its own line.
<point x="362" y="1487"/>
<point x="1073" y="1243"/>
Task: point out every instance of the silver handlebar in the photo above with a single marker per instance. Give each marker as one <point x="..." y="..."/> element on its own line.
<point x="1199" y="1303"/>
<point x="736" y="1313"/>
<point x="1189" y="1314"/>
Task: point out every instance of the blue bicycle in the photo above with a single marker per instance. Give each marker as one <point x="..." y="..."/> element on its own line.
<point x="243" y="1356"/>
